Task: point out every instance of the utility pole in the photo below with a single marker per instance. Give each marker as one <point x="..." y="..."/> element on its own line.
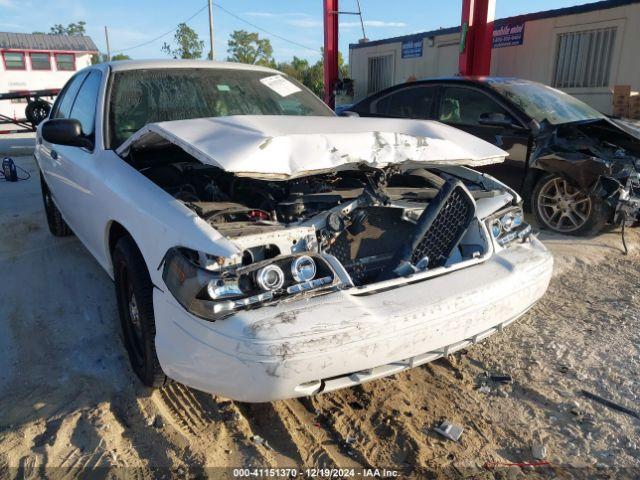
<point x="106" y="36"/>
<point x="213" y="57"/>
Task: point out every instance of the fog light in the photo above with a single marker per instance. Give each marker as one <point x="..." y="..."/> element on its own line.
<point x="270" y="277"/>
<point x="303" y="268"/>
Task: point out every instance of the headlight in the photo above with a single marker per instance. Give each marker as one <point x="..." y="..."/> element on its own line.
<point x="508" y="225"/>
<point x="214" y="294"/>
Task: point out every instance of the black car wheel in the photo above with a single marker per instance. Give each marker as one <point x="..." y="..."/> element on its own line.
<point x="134" y="292"/>
<point x="57" y="226"/>
<point x="563" y="208"/>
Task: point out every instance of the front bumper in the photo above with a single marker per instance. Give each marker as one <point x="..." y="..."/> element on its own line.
<point x="319" y="344"/>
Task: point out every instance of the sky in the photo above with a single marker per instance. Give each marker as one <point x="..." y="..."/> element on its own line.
<point x="294" y="27"/>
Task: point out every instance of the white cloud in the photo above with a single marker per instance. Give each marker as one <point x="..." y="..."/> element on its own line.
<point x="374" y="24"/>
<point x="273" y="15"/>
<point x="304" y="23"/>
<point x="7" y="4"/>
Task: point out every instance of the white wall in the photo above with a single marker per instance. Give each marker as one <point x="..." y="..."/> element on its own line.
<point x="534" y="60"/>
<point x="12" y="80"/>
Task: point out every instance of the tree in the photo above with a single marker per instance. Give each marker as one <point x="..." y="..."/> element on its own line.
<point x="120" y="56"/>
<point x="248" y="47"/>
<point x="311" y="76"/>
<point x="188" y="44"/>
<point x="73" y="29"/>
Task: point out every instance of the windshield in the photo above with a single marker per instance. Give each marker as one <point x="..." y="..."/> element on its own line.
<point x="139" y="97"/>
<point x="544" y="103"/>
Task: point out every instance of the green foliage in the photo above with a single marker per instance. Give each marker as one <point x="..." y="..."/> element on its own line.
<point x="72" y="29"/>
<point x="245" y="47"/>
<point x="311" y="76"/>
<point x="188" y="44"/>
<point x="120" y="56"/>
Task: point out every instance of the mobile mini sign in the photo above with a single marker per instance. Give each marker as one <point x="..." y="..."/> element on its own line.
<point x="508" y="35"/>
<point x="412" y="48"/>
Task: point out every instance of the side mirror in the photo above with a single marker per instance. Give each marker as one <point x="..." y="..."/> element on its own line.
<point x="497" y="120"/>
<point x="65" y="131"/>
<point x="349" y="113"/>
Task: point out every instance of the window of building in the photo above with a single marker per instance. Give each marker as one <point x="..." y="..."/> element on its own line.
<point x="408" y="102"/>
<point x="40" y="61"/>
<point x="65" y="61"/>
<point x="380" y="73"/>
<point x="583" y="59"/>
<point x="14" y="61"/>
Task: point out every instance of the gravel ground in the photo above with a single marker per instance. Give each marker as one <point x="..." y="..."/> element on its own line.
<point x="69" y="402"/>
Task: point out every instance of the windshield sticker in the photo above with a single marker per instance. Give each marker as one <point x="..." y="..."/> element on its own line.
<point x="280" y="85"/>
<point x="223" y="88"/>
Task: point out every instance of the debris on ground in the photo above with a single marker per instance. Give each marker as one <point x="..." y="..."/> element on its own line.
<point x="158" y="422"/>
<point x="504" y="379"/>
<point x="610" y="404"/>
<point x="350" y="440"/>
<point x="484" y="389"/>
<point x="538" y="451"/>
<point x="450" y="430"/>
<point x="257" y="439"/>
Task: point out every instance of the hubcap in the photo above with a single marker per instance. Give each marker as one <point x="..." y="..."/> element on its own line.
<point x="562" y="207"/>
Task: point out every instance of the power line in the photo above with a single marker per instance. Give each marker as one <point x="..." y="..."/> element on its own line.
<point x="164" y="34"/>
<point x="284" y="39"/>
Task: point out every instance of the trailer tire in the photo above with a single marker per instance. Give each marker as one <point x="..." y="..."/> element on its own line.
<point x="37" y="111"/>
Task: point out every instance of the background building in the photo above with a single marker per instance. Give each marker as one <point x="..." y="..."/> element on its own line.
<point x="583" y="50"/>
<point x="39" y="61"/>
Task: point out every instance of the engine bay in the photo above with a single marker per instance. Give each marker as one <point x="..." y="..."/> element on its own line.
<point x="372" y="224"/>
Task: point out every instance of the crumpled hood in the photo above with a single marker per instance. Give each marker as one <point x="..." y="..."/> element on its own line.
<point x="285" y="146"/>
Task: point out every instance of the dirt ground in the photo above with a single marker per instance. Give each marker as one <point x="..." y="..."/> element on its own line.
<point x="69" y="402"/>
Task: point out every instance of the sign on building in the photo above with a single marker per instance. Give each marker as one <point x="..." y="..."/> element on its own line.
<point x="412" y="48"/>
<point x="508" y="35"/>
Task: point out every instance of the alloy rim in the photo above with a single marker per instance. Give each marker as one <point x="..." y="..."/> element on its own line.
<point x="563" y="207"/>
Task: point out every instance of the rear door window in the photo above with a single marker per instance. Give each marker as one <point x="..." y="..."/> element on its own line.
<point x="409" y="102"/>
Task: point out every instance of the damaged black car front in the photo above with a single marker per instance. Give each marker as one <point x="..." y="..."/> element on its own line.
<point x="583" y="168"/>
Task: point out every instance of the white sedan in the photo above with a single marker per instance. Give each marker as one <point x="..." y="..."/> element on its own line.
<point x="261" y="247"/>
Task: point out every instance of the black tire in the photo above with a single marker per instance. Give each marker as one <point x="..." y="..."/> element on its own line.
<point x="57" y="226"/>
<point x="37" y="111"/>
<point x="134" y="293"/>
<point x="563" y="208"/>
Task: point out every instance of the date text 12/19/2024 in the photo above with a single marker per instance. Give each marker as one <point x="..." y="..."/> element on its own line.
<point x="314" y="473"/>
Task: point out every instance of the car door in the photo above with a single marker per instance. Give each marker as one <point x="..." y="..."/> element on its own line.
<point x="472" y="110"/>
<point x="409" y="101"/>
<point x="50" y="162"/>
<point x="70" y="165"/>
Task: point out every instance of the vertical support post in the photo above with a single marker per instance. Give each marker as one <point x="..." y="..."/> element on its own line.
<point x="476" y="36"/>
<point x="106" y="37"/>
<point x="213" y="55"/>
<point x="330" y="50"/>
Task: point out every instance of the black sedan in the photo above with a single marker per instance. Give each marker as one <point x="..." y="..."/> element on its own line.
<point x="575" y="168"/>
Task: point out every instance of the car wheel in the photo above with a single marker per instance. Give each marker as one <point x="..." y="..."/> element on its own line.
<point x="134" y="293"/>
<point x="563" y="208"/>
<point x="57" y="226"/>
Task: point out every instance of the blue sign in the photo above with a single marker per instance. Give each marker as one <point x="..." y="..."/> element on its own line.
<point x="508" y="35"/>
<point x="412" y="49"/>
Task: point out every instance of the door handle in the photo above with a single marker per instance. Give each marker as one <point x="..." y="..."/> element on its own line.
<point x="54" y="154"/>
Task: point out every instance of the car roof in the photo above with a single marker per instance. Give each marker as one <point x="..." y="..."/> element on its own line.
<point x="485" y="80"/>
<point x="124" y="65"/>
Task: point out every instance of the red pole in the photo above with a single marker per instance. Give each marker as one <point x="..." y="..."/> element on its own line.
<point x="330" y="50"/>
<point x="476" y="39"/>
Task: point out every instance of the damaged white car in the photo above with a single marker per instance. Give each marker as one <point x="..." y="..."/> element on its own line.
<point x="263" y="248"/>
